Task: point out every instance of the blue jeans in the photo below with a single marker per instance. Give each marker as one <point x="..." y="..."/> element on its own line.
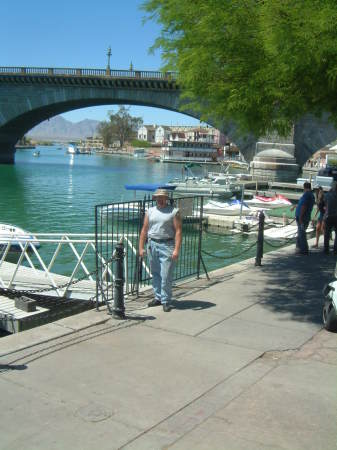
<point x="162" y="266"/>
<point x="301" y="241"/>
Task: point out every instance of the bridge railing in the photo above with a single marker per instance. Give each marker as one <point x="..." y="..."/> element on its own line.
<point x="77" y="72"/>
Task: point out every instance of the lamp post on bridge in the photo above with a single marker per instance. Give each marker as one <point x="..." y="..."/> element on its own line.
<point x="108" y="72"/>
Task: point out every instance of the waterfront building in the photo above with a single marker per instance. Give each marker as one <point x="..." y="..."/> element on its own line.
<point x="232" y="152"/>
<point x="324" y="157"/>
<point x="178" y="136"/>
<point x="147" y="133"/>
<point x="162" y="134"/>
<point x="200" y="134"/>
<point x="91" y="143"/>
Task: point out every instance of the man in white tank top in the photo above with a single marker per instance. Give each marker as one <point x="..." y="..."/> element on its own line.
<point x="163" y="230"/>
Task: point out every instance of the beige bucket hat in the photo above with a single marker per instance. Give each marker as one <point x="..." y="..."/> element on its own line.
<point x="161" y="193"/>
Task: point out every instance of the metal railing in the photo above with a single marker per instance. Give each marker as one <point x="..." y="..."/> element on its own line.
<point x="82" y="72"/>
<point x="52" y="264"/>
<point x="123" y="222"/>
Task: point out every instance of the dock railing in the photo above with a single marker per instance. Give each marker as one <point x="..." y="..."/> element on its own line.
<point x="51" y="264"/>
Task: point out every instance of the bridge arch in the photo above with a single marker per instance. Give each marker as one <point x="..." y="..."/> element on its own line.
<point x="39" y="96"/>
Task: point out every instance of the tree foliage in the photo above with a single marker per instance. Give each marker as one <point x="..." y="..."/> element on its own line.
<point x="263" y="64"/>
<point x="121" y="126"/>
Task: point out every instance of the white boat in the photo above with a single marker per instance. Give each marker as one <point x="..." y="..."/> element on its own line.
<point x="235" y="164"/>
<point x="15" y="237"/>
<point x="37" y="153"/>
<point x="127" y="209"/>
<point x="139" y="152"/>
<point x="230" y="208"/>
<point x="209" y="187"/>
<point x="248" y="223"/>
<point x="72" y="150"/>
<point x="270" y="202"/>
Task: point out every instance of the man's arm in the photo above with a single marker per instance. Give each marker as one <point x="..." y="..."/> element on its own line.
<point x="178" y="235"/>
<point x="143" y="236"/>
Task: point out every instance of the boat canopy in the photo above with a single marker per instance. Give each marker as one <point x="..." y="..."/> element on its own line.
<point x="148" y="187"/>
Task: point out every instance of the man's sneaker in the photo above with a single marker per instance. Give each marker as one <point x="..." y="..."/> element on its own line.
<point x="166" y="307"/>
<point x="154" y="302"/>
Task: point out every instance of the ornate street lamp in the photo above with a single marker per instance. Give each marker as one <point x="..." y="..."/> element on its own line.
<point x="108" y="65"/>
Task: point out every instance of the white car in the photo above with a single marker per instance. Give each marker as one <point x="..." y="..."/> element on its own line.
<point x="330" y="305"/>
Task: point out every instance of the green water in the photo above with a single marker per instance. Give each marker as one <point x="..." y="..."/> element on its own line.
<point x="57" y="192"/>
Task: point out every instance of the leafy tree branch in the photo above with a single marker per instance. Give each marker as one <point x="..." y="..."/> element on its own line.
<point x="263" y="64"/>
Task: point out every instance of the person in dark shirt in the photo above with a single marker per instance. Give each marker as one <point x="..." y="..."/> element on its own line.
<point x="330" y="217"/>
<point x="303" y="215"/>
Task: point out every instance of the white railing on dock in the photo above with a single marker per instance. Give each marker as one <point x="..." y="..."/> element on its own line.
<point x="38" y="261"/>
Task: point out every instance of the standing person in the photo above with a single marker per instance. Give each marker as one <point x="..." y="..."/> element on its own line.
<point x="163" y="230"/>
<point x="303" y="215"/>
<point x="330" y="217"/>
<point x="320" y="203"/>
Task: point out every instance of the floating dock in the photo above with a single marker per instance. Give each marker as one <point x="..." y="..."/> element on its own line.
<point x="50" y="305"/>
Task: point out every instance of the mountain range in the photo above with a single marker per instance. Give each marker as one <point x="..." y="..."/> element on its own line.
<point x="59" y="128"/>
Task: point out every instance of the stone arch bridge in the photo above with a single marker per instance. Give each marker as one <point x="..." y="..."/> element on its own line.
<point x="31" y="95"/>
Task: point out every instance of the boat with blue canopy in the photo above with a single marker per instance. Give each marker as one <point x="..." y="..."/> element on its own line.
<point x="149" y="187"/>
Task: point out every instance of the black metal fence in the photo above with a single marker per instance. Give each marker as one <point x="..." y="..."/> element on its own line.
<point x="121" y="223"/>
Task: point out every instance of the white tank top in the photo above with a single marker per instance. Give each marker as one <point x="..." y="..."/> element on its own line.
<point x="161" y="222"/>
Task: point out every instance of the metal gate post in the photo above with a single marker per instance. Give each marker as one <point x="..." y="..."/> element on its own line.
<point x="96" y="257"/>
<point x="200" y="236"/>
<point x="259" y="247"/>
<point x="119" y="309"/>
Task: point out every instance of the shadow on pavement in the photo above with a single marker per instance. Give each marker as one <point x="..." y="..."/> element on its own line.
<point x="192" y="304"/>
<point x="139" y="317"/>
<point x="294" y="284"/>
<point x="7" y="367"/>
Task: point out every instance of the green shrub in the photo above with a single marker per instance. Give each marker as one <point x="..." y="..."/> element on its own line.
<point x="332" y="162"/>
<point x="141" y="144"/>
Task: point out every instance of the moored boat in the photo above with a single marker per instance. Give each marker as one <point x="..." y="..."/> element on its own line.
<point x="208" y="187"/>
<point x="16" y="238"/>
<point x="270" y="202"/>
<point x="229" y="208"/>
<point x="139" y="153"/>
<point x="72" y="150"/>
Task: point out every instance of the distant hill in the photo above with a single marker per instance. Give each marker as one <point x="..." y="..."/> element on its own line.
<point x="59" y="128"/>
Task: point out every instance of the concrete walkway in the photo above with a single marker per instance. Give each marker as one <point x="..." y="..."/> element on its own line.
<point x="241" y="363"/>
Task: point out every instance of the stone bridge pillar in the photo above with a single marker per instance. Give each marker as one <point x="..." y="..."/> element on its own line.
<point x="7" y="149"/>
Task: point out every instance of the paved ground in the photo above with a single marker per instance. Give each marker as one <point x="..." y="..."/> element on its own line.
<point x="241" y="362"/>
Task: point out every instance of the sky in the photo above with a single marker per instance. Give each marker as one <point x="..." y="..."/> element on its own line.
<point x="73" y="33"/>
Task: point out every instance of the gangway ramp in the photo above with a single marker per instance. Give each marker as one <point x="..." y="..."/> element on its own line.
<point x="32" y="271"/>
<point x="49" y="305"/>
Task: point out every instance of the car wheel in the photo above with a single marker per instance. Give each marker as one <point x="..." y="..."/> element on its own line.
<point x="329" y="316"/>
